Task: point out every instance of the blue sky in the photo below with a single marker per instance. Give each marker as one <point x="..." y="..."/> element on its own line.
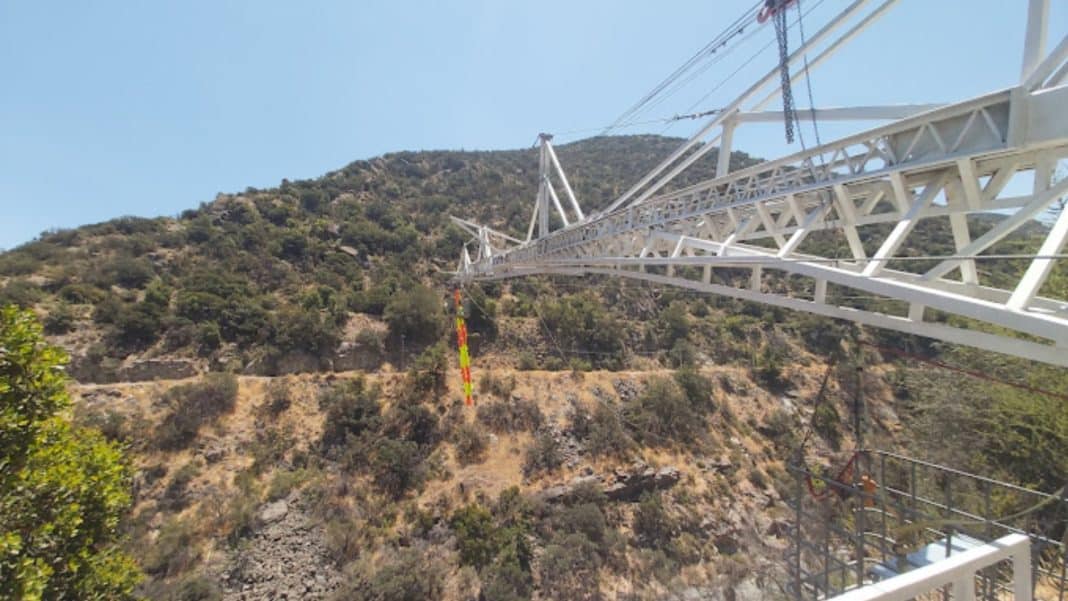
<point x="112" y="108"/>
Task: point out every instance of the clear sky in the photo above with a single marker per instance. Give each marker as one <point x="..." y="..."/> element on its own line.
<point x="112" y="108"/>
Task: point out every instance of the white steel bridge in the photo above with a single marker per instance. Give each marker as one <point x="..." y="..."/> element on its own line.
<point x="869" y="190"/>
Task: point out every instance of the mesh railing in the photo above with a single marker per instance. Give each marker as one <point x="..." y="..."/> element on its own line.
<point x="890" y="514"/>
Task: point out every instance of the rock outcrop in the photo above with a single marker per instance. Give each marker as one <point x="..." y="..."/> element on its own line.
<point x="353" y="356"/>
<point x="285" y="559"/>
<point x="621" y="485"/>
<point x="629" y="486"/>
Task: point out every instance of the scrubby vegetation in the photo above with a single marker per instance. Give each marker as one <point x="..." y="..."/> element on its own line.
<point x="191" y="405"/>
<point x="346" y="273"/>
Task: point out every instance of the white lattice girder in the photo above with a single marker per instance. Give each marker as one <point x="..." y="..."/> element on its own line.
<point x="945" y="163"/>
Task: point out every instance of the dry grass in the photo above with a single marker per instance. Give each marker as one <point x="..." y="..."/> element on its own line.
<point x="553" y="392"/>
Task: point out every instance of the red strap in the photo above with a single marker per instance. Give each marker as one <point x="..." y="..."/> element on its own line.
<point x="843" y="475"/>
<point x="770" y="10"/>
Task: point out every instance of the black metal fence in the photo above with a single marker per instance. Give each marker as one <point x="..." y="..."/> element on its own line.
<point x="885" y="514"/>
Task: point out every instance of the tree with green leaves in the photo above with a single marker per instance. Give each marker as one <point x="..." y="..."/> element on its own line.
<point x="63" y="489"/>
<point x="416" y="314"/>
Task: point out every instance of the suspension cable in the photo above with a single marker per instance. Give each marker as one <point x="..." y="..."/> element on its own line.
<point x="710" y="49"/>
<point x="808" y="82"/>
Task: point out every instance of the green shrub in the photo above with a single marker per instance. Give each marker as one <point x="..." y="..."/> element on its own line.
<point x="414" y="422"/>
<point x="397" y="466"/>
<point x="582" y="322"/>
<point x="480" y="313"/>
<point x="584" y="518"/>
<point x="697" y="388"/>
<point x="278" y="398"/>
<point x="471" y="443"/>
<point x="475" y="535"/>
<point x="242" y="511"/>
<point x="782" y="428"/>
<point x="175" y="497"/>
<point x="427" y="375"/>
<point x="652" y="524"/>
<point x="673" y="324"/>
<point x="193" y="587"/>
<point x="568" y="568"/>
<point x="269" y="448"/>
<point x="607" y="436"/>
<point x="284" y="481"/>
<point x="506" y="580"/>
<point x="81" y="294"/>
<point x="683" y="353"/>
<point x="500" y="387"/>
<point x="352" y="410"/>
<point x="416" y="314"/>
<point x="191" y="405"/>
<point x="826" y="421"/>
<point x="136" y="326"/>
<point x="580" y="421"/>
<point x="107" y="309"/>
<point x="662" y="413"/>
<point x="526" y="361"/>
<point x="20" y="293"/>
<point x="127" y="272"/>
<point x="174" y="551"/>
<point x="199" y="306"/>
<point x="578" y="365"/>
<point x="60" y="320"/>
<point x="758" y="478"/>
<point x="343" y="540"/>
<point x="16" y="263"/>
<point x="370" y="341"/>
<point x="307" y="331"/>
<point x="109" y="422"/>
<point x="768" y="367"/>
<point x="543" y="455"/>
<point x="407" y="575"/>
<point x="519" y="415"/>
<point x="208" y="337"/>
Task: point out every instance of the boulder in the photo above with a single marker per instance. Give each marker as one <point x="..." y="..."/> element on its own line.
<point x="626" y="389"/>
<point x="274" y="512"/>
<point x="778" y="529"/>
<point x="726" y="544"/>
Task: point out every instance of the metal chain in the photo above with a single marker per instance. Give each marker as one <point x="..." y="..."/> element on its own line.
<point x="789" y="113"/>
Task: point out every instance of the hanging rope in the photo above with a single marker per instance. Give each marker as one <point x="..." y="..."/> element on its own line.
<point x="461" y="342"/>
<point x="808" y="81"/>
<point x="968" y="372"/>
<point x="843" y="481"/>
<point x="844" y="478"/>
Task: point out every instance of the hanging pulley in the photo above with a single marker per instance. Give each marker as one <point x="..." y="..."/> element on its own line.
<point x="772" y="8"/>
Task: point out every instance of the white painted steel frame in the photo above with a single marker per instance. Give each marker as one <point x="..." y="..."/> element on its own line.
<point x="943" y="163"/>
<point x="959" y="571"/>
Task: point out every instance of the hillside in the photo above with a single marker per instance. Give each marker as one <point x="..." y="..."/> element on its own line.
<point x="251" y="279"/>
<point x="279" y="364"/>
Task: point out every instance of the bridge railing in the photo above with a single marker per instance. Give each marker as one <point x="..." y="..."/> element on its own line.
<point x="958" y="572"/>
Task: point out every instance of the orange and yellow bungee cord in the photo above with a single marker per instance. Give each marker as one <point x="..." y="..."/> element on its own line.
<point x="465" y="357"/>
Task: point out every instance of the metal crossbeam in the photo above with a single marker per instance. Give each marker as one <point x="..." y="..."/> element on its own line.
<point x="870" y="192"/>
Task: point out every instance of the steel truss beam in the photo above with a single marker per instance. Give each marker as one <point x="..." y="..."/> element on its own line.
<point x="944" y="164"/>
<point x="868" y="192"/>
